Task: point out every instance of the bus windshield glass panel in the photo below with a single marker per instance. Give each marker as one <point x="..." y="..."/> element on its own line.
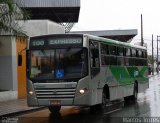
<point x="66" y="63"/>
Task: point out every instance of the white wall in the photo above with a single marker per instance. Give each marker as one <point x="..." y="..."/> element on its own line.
<point x="41" y="27"/>
<point x="8" y="63"/>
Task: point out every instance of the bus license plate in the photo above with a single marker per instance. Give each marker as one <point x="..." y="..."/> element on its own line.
<point x="55" y="102"/>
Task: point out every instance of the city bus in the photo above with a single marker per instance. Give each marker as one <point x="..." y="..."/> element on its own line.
<point x="83" y="70"/>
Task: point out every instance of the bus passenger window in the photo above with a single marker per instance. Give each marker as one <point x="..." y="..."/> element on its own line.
<point x="104" y="49"/>
<point x="120" y="51"/>
<point x="112" y="50"/>
<point x="140" y="53"/>
<point x="133" y="53"/>
<point x="128" y="52"/>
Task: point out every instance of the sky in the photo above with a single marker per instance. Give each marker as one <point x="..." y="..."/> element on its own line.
<point x="119" y="15"/>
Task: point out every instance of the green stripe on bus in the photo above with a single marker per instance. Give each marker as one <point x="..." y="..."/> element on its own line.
<point x="143" y="70"/>
<point x="128" y="75"/>
<point x="121" y="75"/>
<point x="137" y="74"/>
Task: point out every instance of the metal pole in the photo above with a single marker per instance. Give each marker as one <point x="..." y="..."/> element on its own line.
<point x="142" y="42"/>
<point x="152" y="57"/>
<point x="157" y="54"/>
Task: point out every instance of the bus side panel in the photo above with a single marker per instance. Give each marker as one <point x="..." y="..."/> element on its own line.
<point x="96" y="89"/>
<point x="107" y="78"/>
<point x="83" y="99"/>
<point x="119" y="86"/>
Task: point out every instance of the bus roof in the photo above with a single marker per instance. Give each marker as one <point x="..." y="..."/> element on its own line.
<point x="116" y="42"/>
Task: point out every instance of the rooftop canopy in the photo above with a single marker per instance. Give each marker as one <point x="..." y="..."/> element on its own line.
<point x="60" y="11"/>
<point x="121" y="35"/>
<point x="56" y="10"/>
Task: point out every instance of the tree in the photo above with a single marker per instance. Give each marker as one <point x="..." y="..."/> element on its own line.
<point x="10" y="12"/>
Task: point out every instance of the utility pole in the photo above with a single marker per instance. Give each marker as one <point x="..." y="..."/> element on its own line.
<point x="142" y="42"/>
<point x="152" y="57"/>
<point x="157" y="54"/>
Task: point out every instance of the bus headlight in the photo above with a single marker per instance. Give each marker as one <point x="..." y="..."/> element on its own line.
<point x="30" y="93"/>
<point x="82" y="91"/>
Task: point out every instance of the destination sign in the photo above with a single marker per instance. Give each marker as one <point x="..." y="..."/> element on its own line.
<point x="56" y="41"/>
<point x="65" y="41"/>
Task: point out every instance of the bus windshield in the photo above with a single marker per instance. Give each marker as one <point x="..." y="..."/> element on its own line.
<point x="64" y="63"/>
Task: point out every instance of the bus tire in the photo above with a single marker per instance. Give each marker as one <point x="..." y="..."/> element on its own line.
<point x="54" y="109"/>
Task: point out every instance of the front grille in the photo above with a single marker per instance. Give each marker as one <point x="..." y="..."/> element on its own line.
<point x="55" y="93"/>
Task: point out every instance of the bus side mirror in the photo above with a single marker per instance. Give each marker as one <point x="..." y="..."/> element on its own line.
<point x="19" y="59"/>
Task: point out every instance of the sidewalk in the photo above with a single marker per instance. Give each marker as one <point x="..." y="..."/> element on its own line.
<point x="15" y="107"/>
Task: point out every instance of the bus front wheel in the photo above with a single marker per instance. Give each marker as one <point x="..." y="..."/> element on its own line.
<point x="54" y="109"/>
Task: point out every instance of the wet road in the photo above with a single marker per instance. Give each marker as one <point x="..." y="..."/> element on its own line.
<point x="147" y="106"/>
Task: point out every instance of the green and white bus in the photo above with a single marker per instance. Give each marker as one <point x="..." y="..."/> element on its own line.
<point x="83" y="70"/>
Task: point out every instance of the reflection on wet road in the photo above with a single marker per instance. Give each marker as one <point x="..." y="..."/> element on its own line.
<point x="147" y="106"/>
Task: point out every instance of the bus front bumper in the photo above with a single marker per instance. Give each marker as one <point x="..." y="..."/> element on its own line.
<point x="64" y="94"/>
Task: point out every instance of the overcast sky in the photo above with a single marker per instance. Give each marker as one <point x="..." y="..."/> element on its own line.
<point x="120" y="14"/>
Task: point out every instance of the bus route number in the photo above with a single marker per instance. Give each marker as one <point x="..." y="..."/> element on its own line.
<point x="38" y="43"/>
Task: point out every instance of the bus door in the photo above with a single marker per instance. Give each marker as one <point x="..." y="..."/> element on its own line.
<point x="95" y="70"/>
<point x="94" y="58"/>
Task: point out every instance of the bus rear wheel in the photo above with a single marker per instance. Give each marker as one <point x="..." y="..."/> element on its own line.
<point x="54" y="109"/>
